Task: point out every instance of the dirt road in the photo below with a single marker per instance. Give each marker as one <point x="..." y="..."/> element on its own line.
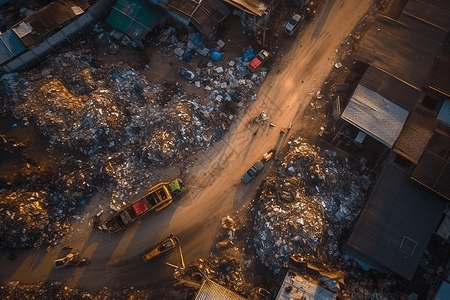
<point x="214" y="178"/>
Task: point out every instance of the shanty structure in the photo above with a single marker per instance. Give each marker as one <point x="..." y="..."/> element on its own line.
<point x="309" y="280"/>
<point x="416" y="134"/>
<point x="406" y="48"/>
<point x="397" y="223"/>
<point x="439" y="80"/>
<point x="214" y="291"/>
<point x="433" y="169"/>
<point x="376" y="115"/>
<point x="10" y="46"/>
<point x="205" y="15"/>
<point x="42" y="23"/>
<point x="407" y="87"/>
<point x="253" y="7"/>
<point x="443" y="292"/>
<point x="135" y="18"/>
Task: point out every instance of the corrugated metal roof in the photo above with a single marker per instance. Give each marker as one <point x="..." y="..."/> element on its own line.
<point x="135" y="17"/>
<point x="397" y="222"/>
<point x="296" y="286"/>
<point x="444" y="112"/>
<point x="433" y="169"/>
<point x="405" y="49"/>
<point x="49" y="18"/>
<point x="253" y="7"/>
<point x="439" y="79"/>
<point x="416" y="134"/>
<point x="213" y="291"/>
<point x="435" y="12"/>
<point x="10" y="46"/>
<point x="375" y="115"/>
<point x="208" y="15"/>
<point x="204" y="15"/>
<point x="444" y="291"/>
<point x="390" y="88"/>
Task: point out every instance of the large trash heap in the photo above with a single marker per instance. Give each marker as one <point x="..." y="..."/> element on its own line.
<point x="56" y="290"/>
<point x="305" y="205"/>
<point x="115" y="128"/>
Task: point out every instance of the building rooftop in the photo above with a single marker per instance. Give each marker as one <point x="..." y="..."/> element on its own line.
<point x="397" y="222"/>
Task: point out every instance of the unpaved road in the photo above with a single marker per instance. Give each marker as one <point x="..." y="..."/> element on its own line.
<point x="214" y="178"/>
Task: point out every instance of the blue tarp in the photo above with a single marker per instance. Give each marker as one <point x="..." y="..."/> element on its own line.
<point x="215" y="55"/>
<point x="10" y="46"/>
<point x="249" y="54"/>
<point x="444" y="112"/>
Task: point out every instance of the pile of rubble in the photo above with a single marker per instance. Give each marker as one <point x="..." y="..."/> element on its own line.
<point x="302" y="210"/>
<point x="227" y="270"/>
<point x="306" y="205"/>
<point x="55" y="290"/>
<point x="116" y="126"/>
<point x="32" y="219"/>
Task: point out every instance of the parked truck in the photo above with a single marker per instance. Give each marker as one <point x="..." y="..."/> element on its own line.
<point x="158" y="197"/>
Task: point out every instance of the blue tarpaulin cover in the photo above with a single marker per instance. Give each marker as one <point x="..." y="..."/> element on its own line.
<point x="10" y="46"/>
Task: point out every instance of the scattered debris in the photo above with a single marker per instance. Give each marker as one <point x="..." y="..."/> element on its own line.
<point x="116" y="124"/>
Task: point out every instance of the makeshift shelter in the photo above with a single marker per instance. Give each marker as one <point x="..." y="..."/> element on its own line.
<point x="36" y="27"/>
<point x="10" y="46"/>
<point x="444" y="291"/>
<point x="439" y="79"/>
<point x="254" y="7"/>
<point x="397" y="223"/>
<point x="406" y="48"/>
<point x="375" y="115"/>
<point x="205" y="15"/>
<point x="213" y="291"/>
<point x="135" y="18"/>
<point x="309" y="280"/>
<point x="416" y="134"/>
<point x="433" y="169"/>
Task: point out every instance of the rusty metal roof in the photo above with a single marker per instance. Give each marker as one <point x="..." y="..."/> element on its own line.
<point x="297" y="286"/>
<point x="135" y="17"/>
<point x="397" y="222"/>
<point x="439" y="79"/>
<point x="213" y="291"/>
<point x="204" y="15"/>
<point x="434" y="12"/>
<point x="254" y="7"/>
<point x="405" y="49"/>
<point x="416" y="134"/>
<point x="375" y="115"/>
<point x="433" y="169"/>
<point x="390" y="88"/>
<point x="49" y="18"/>
<point x="10" y="46"/>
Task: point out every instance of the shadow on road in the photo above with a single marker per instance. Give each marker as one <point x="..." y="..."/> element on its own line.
<point x="323" y="19"/>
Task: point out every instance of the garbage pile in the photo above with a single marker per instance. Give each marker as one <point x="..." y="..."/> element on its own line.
<point x="55" y="290"/>
<point x="116" y="126"/>
<point x="226" y="270"/>
<point x="32" y="219"/>
<point x="304" y="207"/>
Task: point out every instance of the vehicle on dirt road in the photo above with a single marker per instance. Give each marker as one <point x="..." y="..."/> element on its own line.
<point x="258" y="61"/>
<point x="189" y="75"/>
<point x="158" y="197"/>
<point x="252" y="172"/>
<point x="71" y="259"/>
<point x="166" y="245"/>
<point x="293" y="24"/>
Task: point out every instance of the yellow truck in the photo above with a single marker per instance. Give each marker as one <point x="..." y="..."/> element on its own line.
<point x="158" y="197"/>
<point x="166" y="245"/>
